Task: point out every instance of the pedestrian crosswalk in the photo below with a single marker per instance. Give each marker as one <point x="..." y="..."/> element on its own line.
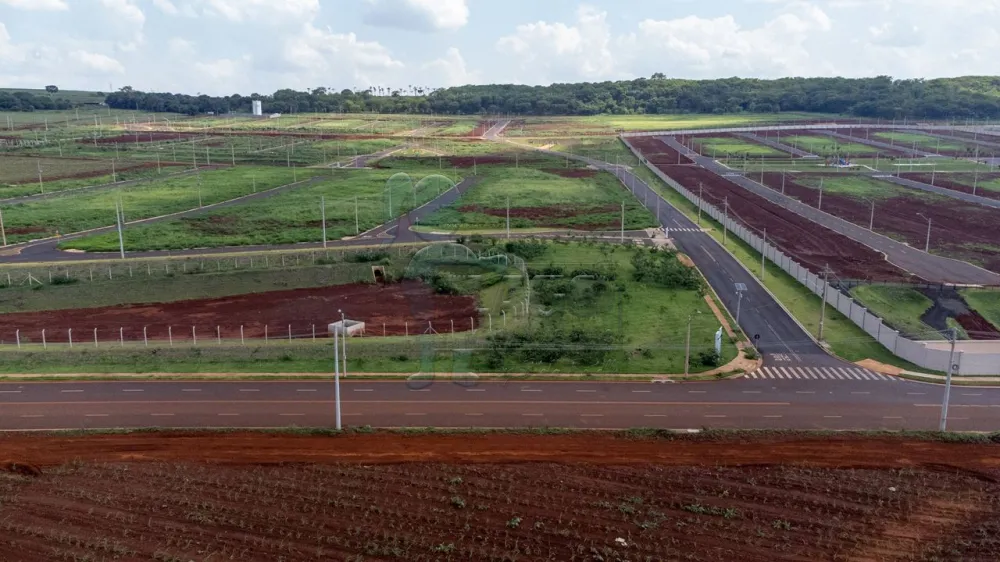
<point x="818" y="373"/>
<point x="687" y="230"/>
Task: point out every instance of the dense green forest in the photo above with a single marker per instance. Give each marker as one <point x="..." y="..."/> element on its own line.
<point x="965" y="97"/>
<point x="26" y="101"/>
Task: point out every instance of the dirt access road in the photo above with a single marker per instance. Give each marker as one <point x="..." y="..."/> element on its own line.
<point x="496" y="497"/>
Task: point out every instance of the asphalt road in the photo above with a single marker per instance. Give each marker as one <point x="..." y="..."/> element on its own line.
<point x="960" y="195"/>
<point x="929" y="267"/>
<point x="741" y="403"/>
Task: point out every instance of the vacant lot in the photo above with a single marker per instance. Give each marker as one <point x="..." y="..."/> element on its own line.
<point x="474" y="497"/>
<point x="355" y="201"/>
<point x="958" y="229"/>
<point x="983" y="184"/>
<point x="731" y="146"/>
<point x="25" y="169"/>
<point x="560" y="197"/>
<point x="928" y="143"/>
<point x="828" y="146"/>
<point x="75" y="212"/>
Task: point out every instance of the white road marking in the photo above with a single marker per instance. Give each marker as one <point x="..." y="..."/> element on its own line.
<point x="190" y="390"/>
<point x="364" y="390"/>
<point x="473" y="414"/>
<point x="579" y="390"/>
<point x="533" y="415"/>
<point x="859" y="392"/>
<point x="697" y="391"/>
<point x="96" y="415"/>
<point x="980" y="394"/>
<point x="805" y="392"/>
<point x="475" y="390"/>
<point x="916" y="393"/>
<point x="291" y="415"/>
<point x="305" y="390"/>
<point x="67" y="391"/>
<point x="641" y="391"/>
<point x="772" y="416"/>
<point x="420" y="390"/>
<point x="892" y="417"/>
<point x="249" y="390"/>
<point x="416" y="414"/>
<point x="592" y="415"/>
<point x="132" y="390"/>
<point x="751" y="392"/>
<point x="832" y="417"/>
<point x="160" y="415"/>
<point x="715" y="415"/>
<point x="655" y="416"/>
<point x="10" y="392"/>
<point x="228" y="414"/>
<point x="32" y="416"/>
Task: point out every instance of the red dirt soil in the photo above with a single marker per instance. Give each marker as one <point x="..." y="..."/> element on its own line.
<point x="588" y="497"/>
<point x="657" y="152"/>
<point x="393" y="305"/>
<point x="808" y="243"/>
<point x="571" y="172"/>
<point x="960" y="230"/>
<point x="945" y="181"/>
<point x="480" y="129"/>
<point x="143" y="137"/>
<point x="470" y="161"/>
<point x="977" y="327"/>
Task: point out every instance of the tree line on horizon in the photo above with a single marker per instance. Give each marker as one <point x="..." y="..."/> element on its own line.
<point x="879" y="97"/>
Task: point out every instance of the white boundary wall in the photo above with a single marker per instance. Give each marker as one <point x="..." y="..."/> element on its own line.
<point x="915" y="352"/>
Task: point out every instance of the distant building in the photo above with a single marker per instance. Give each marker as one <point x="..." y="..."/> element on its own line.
<point x="274" y="115"/>
<point x="258" y="109"/>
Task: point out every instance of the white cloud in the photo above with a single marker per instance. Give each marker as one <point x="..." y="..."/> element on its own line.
<point x="326" y="55"/>
<point x="181" y="47"/>
<point x="564" y="52"/>
<point x="418" y="15"/>
<point x="264" y="10"/>
<point x="167" y="7"/>
<point x="127" y="10"/>
<point x="37" y="5"/>
<point x="9" y="52"/>
<point x="449" y="70"/>
<point x="98" y="62"/>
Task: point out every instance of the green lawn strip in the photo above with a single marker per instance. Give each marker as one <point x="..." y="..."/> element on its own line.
<point x="863" y="187"/>
<point x="845" y="338"/>
<point x="828" y="146"/>
<point x="33" y="188"/>
<point x="899" y="307"/>
<point x="986" y="302"/>
<point x="289" y="217"/>
<point x="457" y="128"/>
<point x="548" y="200"/>
<point x="925" y="142"/>
<point x="718" y="146"/>
<point x="74" y="212"/>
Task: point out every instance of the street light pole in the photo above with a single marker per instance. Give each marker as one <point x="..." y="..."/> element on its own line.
<point x="336" y="375"/>
<point x="947" y="382"/>
<point x="822" y="301"/>
<point x="871" y="218"/>
<point x="763" y="242"/>
<point x="687" y="347"/>
<point x="623" y="222"/>
<point x="927" y="243"/>
<point x="343" y="327"/>
<point x="701" y="202"/>
<point x="820" y="206"/>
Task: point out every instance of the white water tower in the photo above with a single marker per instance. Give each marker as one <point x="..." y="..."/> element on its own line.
<point x="258" y="110"/>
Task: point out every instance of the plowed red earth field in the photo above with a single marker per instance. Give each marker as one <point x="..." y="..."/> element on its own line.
<point x="960" y="230"/>
<point x="657" y="152"/>
<point x="144" y="137"/>
<point x="255" y="497"/>
<point x="965" y="186"/>
<point x="808" y="243"/>
<point x="393" y="305"/>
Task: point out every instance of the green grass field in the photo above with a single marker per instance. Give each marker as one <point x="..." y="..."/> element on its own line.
<point x="984" y="301"/>
<point x="542" y="199"/>
<point x="828" y="146"/>
<point x="900" y="308"/>
<point x="924" y="142"/>
<point x="74" y="212"/>
<point x="860" y="187"/>
<point x="722" y="146"/>
<point x="287" y="218"/>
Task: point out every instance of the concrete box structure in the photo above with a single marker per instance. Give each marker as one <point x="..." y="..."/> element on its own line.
<point x="349" y="327"/>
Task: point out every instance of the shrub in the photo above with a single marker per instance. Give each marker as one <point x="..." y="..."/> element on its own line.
<point x="64" y="280"/>
<point x="527" y="249"/>
<point x="709" y="358"/>
<point x="368" y="256"/>
<point x="663" y="268"/>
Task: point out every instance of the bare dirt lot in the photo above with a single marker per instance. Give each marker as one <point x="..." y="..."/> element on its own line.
<point x="961" y="230"/>
<point x="964" y="182"/>
<point x="144" y="137"/>
<point x="392" y="305"/>
<point x="657" y="152"/>
<point x="586" y="497"/>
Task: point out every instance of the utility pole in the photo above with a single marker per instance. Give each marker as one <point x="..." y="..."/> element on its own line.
<point x="701" y="202"/>
<point x="199" y="192"/>
<point x="357" y="224"/>
<point x="508" y="217"/>
<point x="820" y="207"/>
<point x="782" y="182"/>
<point x="975" y="180"/>
<point x="822" y="301"/>
<point x="623" y="222"/>
<point x="725" y="222"/>
<point x="927" y="243"/>
<point x="687" y="347"/>
<point x="871" y="218"/>
<point x="41" y="186"/>
<point x="763" y="242"/>
<point x="118" y="221"/>
<point x="336" y="376"/>
<point x="947" y="382"/>
<point x="322" y="211"/>
<point x="3" y="233"/>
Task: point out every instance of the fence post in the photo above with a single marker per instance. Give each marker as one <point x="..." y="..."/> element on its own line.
<point x="265" y="333"/>
<point x="121" y="336"/>
<point x="71" y="338"/>
<point x="472" y="324"/>
<point x="383" y="329"/>
<point x="490" y="315"/>
<point x="17" y="335"/>
<point x="91" y="276"/>
<point x="452" y="326"/>
<point x="218" y="334"/>
<point x="109" y="274"/>
<point x="170" y="335"/>
<point x="242" y="340"/>
<point x="149" y="271"/>
<point x="194" y="336"/>
<point x="95" y="337"/>
<point x="406" y="326"/>
<point x="145" y="340"/>
<point x="130" y="270"/>
<point x="45" y="345"/>
<point x="289" y="333"/>
<point x="504" y="318"/>
<point x="314" y="332"/>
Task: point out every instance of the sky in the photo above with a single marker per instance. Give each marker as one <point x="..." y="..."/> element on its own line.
<point x="221" y="47"/>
